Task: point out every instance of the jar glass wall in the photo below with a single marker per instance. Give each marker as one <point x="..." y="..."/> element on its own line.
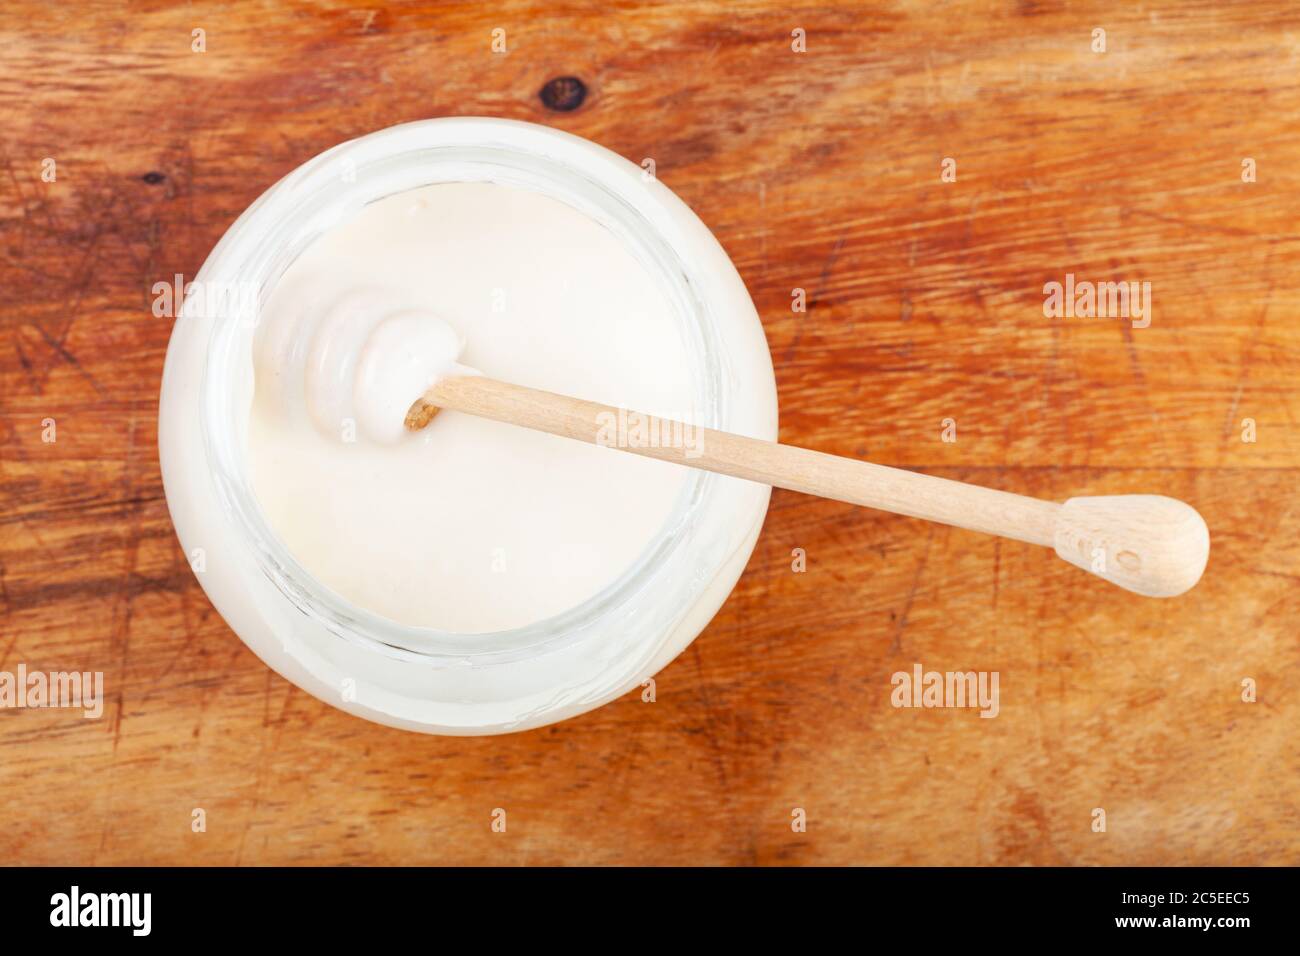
<point x="420" y="678"/>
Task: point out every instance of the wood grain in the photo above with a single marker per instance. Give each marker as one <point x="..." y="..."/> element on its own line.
<point x="819" y="171"/>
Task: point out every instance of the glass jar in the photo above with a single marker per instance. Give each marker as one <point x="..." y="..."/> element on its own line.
<point x="414" y="677"/>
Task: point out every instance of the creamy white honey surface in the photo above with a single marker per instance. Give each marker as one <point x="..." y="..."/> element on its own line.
<point x="467" y="525"/>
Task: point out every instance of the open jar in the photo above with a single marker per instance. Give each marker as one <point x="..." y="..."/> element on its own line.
<point x="421" y="678"/>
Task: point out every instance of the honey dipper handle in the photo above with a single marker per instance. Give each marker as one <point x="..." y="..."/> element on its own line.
<point x="1148" y="544"/>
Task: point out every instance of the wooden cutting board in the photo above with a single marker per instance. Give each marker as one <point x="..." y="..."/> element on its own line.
<point x="819" y="170"/>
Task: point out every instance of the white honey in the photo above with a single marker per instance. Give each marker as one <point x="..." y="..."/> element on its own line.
<point x="468" y="525"/>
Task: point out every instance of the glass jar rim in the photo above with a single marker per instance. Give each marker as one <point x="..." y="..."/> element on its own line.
<point x="294" y="212"/>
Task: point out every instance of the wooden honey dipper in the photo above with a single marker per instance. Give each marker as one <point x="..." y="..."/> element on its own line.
<point x="1148" y="544"/>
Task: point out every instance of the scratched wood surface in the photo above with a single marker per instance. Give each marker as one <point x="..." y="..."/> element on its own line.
<point x="816" y="170"/>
